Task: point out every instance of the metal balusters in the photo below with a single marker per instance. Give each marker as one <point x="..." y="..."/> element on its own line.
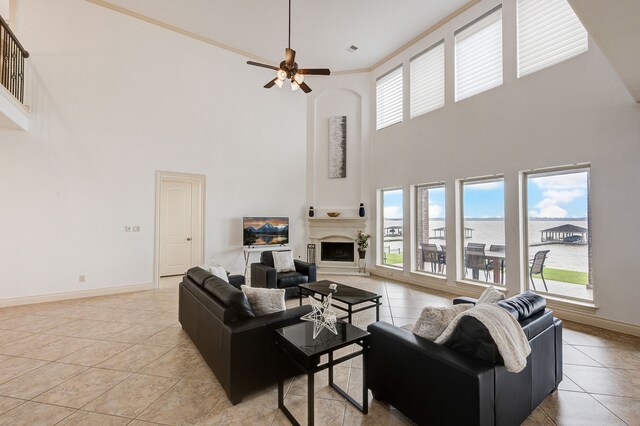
<point x="12" y="56"/>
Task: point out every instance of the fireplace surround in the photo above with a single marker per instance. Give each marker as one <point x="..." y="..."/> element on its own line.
<point x="334" y="238"/>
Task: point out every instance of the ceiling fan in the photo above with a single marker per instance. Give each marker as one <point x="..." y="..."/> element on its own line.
<point x="288" y="69"/>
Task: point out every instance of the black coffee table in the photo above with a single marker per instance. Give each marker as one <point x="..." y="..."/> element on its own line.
<point x="296" y="342"/>
<point x="350" y="296"/>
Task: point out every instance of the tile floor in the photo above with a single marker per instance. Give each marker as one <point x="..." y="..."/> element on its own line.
<point x="124" y="359"/>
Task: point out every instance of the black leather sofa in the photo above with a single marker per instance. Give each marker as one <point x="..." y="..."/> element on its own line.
<point x="264" y="274"/>
<point x="238" y="347"/>
<point x="464" y="381"/>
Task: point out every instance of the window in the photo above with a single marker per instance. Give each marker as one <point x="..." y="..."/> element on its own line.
<point x="427" y="80"/>
<point x="392" y="228"/>
<point x="479" y="55"/>
<point x="559" y="233"/>
<point x="431" y="249"/>
<point x="549" y="32"/>
<point x="389" y="99"/>
<point x="482" y="231"/>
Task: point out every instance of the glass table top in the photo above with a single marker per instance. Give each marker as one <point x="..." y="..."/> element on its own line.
<point x="342" y="293"/>
<point x="301" y="337"/>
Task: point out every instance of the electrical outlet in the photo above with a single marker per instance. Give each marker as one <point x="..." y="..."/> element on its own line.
<point x="82" y="278"/>
<point x="128" y="228"/>
<point x="136" y="228"/>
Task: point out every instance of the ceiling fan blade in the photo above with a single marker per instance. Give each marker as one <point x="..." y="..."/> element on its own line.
<point x="258" y="64"/>
<point x="290" y="57"/>
<point x="315" y="71"/>
<point x="305" y="88"/>
<point x="270" y="84"/>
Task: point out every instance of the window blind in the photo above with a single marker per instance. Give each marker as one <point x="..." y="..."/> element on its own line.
<point x="549" y="32"/>
<point x="426" y="73"/>
<point x="389" y="99"/>
<point x="479" y="55"/>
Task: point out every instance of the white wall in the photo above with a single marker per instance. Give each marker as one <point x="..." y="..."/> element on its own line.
<point x="115" y="99"/>
<point x="577" y="111"/>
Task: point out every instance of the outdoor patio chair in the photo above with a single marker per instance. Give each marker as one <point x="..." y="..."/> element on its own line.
<point x="500" y="248"/>
<point x="442" y="258"/>
<point x="537" y="267"/>
<point x="476" y="260"/>
<point x="430" y="255"/>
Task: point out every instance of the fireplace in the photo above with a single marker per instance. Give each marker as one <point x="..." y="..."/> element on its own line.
<point x="337" y="252"/>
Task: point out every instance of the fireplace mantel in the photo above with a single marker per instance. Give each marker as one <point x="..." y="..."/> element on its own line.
<point x="335" y="229"/>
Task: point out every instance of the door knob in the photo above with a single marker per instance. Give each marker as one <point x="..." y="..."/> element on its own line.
<point x="188" y="239"/>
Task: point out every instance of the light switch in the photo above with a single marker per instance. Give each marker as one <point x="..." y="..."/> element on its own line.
<point x="127" y="228"/>
<point x="136" y="228"/>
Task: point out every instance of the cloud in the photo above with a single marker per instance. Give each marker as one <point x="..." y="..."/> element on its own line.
<point x="571" y="181"/>
<point x="393" y="212"/>
<point x="549" y="206"/>
<point x="435" y="211"/>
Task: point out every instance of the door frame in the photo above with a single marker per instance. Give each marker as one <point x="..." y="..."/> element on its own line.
<point x="197" y="212"/>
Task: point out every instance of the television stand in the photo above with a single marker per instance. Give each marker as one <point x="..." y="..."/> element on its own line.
<point x="247" y="250"/>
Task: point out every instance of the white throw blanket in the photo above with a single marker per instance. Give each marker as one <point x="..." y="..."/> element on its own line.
<point x="504" y="329"/>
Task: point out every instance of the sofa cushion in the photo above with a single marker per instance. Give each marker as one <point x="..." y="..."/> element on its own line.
<point x="435" y="319"/>
<point x="266" y="257"/>
<point x="524" y="305"/>
<point x="291" y="279"/>
<point x="265" y="301"/>
<point x="198" y="275"/>
<point x="472" y="337"/>
<point x="235" y="301"/>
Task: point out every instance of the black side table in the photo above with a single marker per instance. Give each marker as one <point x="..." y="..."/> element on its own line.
<point x="296" y="342"/>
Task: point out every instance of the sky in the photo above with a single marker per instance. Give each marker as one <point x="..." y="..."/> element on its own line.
<point x="553" y="196"/>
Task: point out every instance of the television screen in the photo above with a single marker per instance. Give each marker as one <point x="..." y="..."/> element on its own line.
<point x="265" y="230"/>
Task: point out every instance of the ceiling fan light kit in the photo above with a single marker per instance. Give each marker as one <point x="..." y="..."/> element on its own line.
<point x="288" y="69"/>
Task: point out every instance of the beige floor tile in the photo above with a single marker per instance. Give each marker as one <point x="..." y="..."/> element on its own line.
<point x="26" y="344"/>
<point x="40" y="380"/>
<point x="83" y="388"/>
<point x="604" y="381"/>
<point x="169" y="337"/>
<point x="74" y="328"/>
<point x="103" y="330"/>
<point x="32" y="413"/>
<point x="186" y="403"/>
<point x="86" y="418"/>
<point x="141" y="423"/>
<point x="627" y="409"/>
<point x="257" y="409"/>
<point x="326" y="411"/>
<point x="7" y="404"/>
<point x="14" y="367"/>
<point x="176" y="363"/>
<point x="132" y="396"/>
<point x="569" y="385"/>
<point x="8" y="336"/>
<point x="4" y="357"/>
<point x="321" y="386"/>
<point x="574" y="408"/>
<point x="95" y="354"/>
<point x="571" y="355"/>
<point x="380" y="414"/>
<point x="612" y="357"/>
<point x="135" y="334"/>
<point x="56" y="350"/>
<point x="19" y="321"/>
<point x="538" y="418"/>
<point x="134" y="358"/>
<point x="202" y="373"/>
<point x="165" y="319"/>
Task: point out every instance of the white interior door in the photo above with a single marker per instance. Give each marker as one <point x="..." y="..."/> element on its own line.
<point x="176" y="229"/>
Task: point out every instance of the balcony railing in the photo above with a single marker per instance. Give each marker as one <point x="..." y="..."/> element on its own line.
<point x="12" y="56"/>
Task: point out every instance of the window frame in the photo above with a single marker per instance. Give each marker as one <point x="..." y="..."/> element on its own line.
<point x="415" y="230"/>
<point x="524" y="228"/>
<point x="380" y="227"/>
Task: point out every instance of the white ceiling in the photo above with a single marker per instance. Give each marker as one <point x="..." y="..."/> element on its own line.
<point x="321" y="30"/>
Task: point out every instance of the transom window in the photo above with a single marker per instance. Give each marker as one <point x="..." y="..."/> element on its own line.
<point x="389" y="98"/>
<point x="427" y="80"/>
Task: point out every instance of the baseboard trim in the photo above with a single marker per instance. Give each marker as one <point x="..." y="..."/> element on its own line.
<point x="55" y="297"/>
<point x="562" y="310"/>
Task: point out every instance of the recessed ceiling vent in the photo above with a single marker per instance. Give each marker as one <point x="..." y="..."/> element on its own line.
<point x="353" y="48"/>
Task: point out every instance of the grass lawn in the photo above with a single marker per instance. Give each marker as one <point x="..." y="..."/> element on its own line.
<point x="562" y="275"/>
<point x="394" y="259"/>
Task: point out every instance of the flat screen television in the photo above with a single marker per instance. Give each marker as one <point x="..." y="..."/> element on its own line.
<point x="258" y="231"/>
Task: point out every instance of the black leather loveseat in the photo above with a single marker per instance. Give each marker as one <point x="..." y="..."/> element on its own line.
<point x="450" y="385"/>
<point x="264" y="274"/>
<point x="238" y="347"/>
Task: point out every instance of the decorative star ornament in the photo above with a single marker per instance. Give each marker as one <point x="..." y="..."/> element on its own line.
<point x="322" y="316"/>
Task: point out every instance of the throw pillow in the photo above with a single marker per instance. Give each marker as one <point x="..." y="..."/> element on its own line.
<point x="219" y="272"/>
<point x="283" y="261"/>
<point x="265" y="301"/>
<point x="435" y="319"/>
<point x="490" y="295"/>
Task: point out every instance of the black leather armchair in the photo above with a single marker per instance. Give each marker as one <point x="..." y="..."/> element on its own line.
<point x="264" y="274"/>
<point x="450" y="385"/>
